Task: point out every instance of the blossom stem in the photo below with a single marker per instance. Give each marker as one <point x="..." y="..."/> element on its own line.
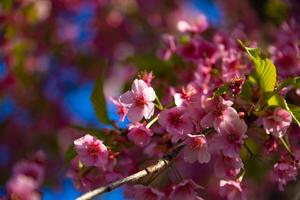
<point x="159" y="103"/>
<point x="157" y="106"/>
<point x="242" y="176"/>
<point x="286" y="146"/>
<point x="152" y="122"/>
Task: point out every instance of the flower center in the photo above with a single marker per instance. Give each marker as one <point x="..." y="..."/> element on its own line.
<point x="232" y="137"/>
<point x="218" y="112"/>
<point x="93" y="149"/>
<point x="140" y="101"/>
<point x="197" y="143"/>
<point x="175" y="119"/>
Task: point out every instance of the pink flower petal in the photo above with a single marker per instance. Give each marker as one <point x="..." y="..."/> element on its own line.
<point x="127" y="98"/>
<point x="149" y="94"/>
<point x="148" y="110"/>
<point x="135" y="114"/>
<point x="138" y="86"/>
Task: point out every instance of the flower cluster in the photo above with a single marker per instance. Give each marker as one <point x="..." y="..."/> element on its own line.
<point x="26" y="180"/>
<point x="216" y="111"/>
<point x="222" y="117"/>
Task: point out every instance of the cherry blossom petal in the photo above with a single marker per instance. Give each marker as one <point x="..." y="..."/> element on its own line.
<point x="148" y="110"/>
<point x="127" y="98"/>
<point x="135" y="114"/>
<point x="149" y="94"/>
<point x="138" y="86"/>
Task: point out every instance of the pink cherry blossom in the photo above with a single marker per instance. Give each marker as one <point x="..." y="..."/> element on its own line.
<point x="221" y="111"/>
<point x="147" y="193"/>
<point x="284" y="172"/>
<point x="271" y="145"/>
<point x="139" y="134"/>
<point x="147" y="77"/>
<point x="232" y="190"/>
<point x="277" y="123"/>
<point x="199" y="26"/>
<point x="176" y="122"/>
<point x="121" y="109"/>
<point x="227" y="166"/>
<point x="236" y="85"/>
<point x="139" y="101"/>
<point x="194" y="109"/>
<point x="22" y="187"/>
<point x="198" y="49"/>
<point x="169" y="47"/>
<point x="230" y="137"/>
<point x="185" y="190"/>
<point x="30" y="169"/>
<point x="196" y="149"/>
<point x="84" y="181"/>
<point x="184" y="95"/>
<point x="91" y="151"/>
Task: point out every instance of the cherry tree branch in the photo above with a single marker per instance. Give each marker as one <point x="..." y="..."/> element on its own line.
<point x="160" y="164"/>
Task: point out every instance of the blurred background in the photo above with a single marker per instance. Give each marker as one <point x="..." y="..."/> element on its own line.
<point x="52" y="51"/>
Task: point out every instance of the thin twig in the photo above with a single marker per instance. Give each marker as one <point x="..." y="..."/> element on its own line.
<point x="152" y="122"/>
<point x="132" y="178"/>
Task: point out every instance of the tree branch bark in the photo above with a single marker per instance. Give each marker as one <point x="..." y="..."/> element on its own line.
<point x="132" y="178"/>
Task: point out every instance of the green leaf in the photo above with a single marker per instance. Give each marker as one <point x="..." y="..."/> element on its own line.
<point x="294" y="110"/>
<point x="276" y="100"/>
<point x="99" y="101"/>
<point x="265" y="71"/>
<point x="221" y="90"/>
<point x="70" y="154"/>
<point x="294" y="81"/>
<point x="6" y="5"/>
<point x="246" y="90"/>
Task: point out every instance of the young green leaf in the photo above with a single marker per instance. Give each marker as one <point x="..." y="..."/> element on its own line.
<point x="99" y="101"/>
<point x="265" y="71"/>
<point x="276" y="100"/>
<point x="246" y="90"/>
<point x="221" y="90"/>
<point x="70" y="154"/>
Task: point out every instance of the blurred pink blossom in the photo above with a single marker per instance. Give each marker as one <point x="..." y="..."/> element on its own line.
<point x="91" y="151"/>
<point x="176" y="122"/>
<point x="185" y="190"/>
<point x="220" y="110"/>
<point x="227" y="167"/>
<point x="121" y="109"/>
<point x="184" y="95"/>
<point x="169" y="47"/>
<point x="196" y="149"/>
<point x="284" y="172"/>
<point x="144" y="193"/>
<point x="277" y="123"/>
<point x="30" y="169"/>
<point x="139" y="134"/>
<point x="232" y="190"/>
<point x="22" y="187"/>
<point x="200" y="25"/>
<point x="230" y="137"/>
